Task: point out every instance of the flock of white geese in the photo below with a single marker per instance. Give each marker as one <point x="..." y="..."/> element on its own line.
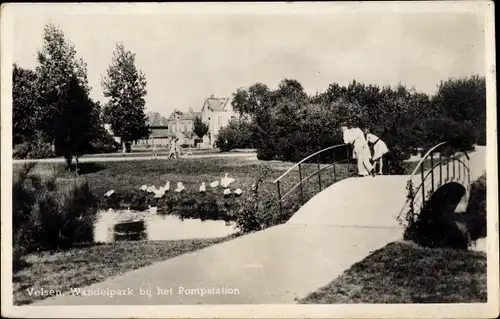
<point x="160" y="192"/>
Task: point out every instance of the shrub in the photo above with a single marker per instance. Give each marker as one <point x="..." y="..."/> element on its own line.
<point x="259" y="210"/>
<point x="34" y="149"/>
<point x="103" y="143"/>
<point x="237" y="134"/>
<point x="64" y="218"/>
<point x="460" y="135"/>
<point x="47" y="216"/>
<point x="476" y="207"/>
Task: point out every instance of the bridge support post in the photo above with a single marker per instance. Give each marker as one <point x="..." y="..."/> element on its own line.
<point x="348" y="159"/>
<point x="432" y="172"/>
<point x="453" y="159"/>
<point x="301" y="187"/>
<point x="319" y="175"/>
<point x="279" y="197"/>
<point x="440" y="169"/>
<point x="423" y="180"/>
<point x="333" y="167"/>
<point x="447" y="169"/>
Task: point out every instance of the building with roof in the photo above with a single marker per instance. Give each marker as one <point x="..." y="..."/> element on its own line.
<point x="216" y="112"/>
<point x="180" y="124"/>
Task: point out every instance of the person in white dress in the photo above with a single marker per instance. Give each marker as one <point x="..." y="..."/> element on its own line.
<point x="172" y="153"/>
<point x="155" y="151"/>
<point x="177" y="148"/>
<point x="379" y="150"/>
<point x="356" y="137"/>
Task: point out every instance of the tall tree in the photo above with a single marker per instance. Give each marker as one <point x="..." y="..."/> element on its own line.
<point x="63" y="94"/>
<point x="24" y="104"/>
<point x="199" y="127"/>
<point x="125" y="86"/>
<point x="73" y="130"/>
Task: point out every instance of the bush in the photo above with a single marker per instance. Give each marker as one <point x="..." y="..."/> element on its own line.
<point x="259" y="210"/>
<point x="48" y="217"/>
<point x="103" y="144"/>
<point x="35" y="149"/>
<point x="460" y="135"/>
<point x="64" y="218"/>
<point x="476" y="207"/>
<point x="237" y="134"/>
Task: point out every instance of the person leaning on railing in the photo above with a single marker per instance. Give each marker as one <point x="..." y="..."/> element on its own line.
<point x="356" y="137"/>
<point x="380" y="149"/>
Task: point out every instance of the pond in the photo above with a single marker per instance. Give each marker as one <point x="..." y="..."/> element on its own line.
<point x="118" y="225"/>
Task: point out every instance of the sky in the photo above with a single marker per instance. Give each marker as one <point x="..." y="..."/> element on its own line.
<point x="188" y="56"/>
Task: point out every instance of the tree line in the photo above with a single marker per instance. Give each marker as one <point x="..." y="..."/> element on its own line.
<point x="53" y="113"/>
<point x="288" y="124"/>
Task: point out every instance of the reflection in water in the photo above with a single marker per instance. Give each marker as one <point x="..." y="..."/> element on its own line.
<point x="133" y="225"/>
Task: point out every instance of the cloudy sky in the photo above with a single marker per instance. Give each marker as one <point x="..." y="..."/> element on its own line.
<point x="189" y="55"/>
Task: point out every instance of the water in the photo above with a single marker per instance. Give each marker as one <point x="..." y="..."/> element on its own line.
<point x="134" y="225"/>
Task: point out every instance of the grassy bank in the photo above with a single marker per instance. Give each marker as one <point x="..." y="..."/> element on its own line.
<point x="403" y="272"/>
<point x="126" y="178"/>
<point x="83" y="266"/>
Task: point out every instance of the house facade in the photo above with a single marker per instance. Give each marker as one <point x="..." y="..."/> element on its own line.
<point x="159" y="132"/>
<point x="216" y="112"/>
<point x="181" y="124"/>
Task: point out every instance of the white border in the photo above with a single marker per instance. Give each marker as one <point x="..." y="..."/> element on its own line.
<point x="490" y="309"/>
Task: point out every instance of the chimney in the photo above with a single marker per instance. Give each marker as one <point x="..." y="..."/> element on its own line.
<point x="212" y="96"/>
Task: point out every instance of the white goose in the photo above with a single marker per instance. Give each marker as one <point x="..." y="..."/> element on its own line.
<point x="225" y="181"/>
<point x="109" y="193"/>
<point x="238" y="192"/>
<point x="203" y="188"/>
<point x="144" y="187"/>
<point x="153" y="210"/>
<point x="180" y="187"/>
<point x="149" y="189"/>
<point x="160" y="192"/>
<point x="227" y="191"/>
<point x="214" y="184"/>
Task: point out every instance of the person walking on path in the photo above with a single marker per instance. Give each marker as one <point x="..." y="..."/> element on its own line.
<point x="177" y="148"/>
<point x="155" y="152"/>
<point x="356" y="137"/>
<point x="380" y="149"/>
<point x="172" y="153"/>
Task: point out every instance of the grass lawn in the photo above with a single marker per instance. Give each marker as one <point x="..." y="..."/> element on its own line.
<point x="403" y="272"/>
<point x="127" y="177"/>
<point x="82" y="266"/>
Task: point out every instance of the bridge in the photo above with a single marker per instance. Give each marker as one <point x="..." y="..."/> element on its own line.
<point x="340" y="225"/>
<point x="354" y="199"/>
